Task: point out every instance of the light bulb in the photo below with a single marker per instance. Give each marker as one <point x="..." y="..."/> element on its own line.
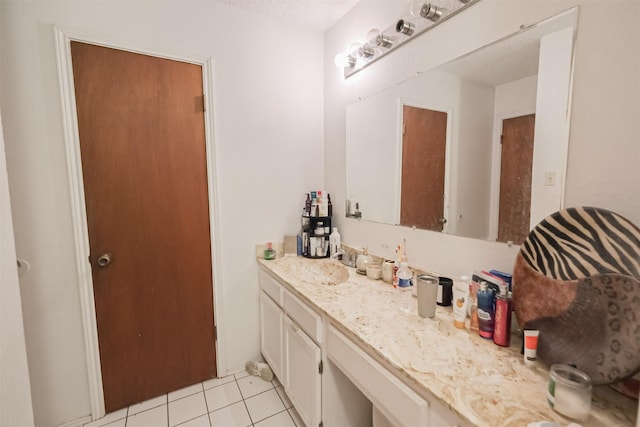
<point x="365" y="51"/>
<point x="344" y="60"/>
<point x="378" y="38"/>
<point x="420" y="9"/>
<point x="405" y="26"/>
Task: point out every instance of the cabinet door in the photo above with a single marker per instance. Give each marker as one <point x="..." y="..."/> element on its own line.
<point x="271" y="334"/>
<point x="302" y="372"/>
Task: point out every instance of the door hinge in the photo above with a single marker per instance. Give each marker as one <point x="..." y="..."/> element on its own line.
<point x="204" y="104"/>
<point x="501" y="138"/>
<point x="215" y="333"/>
<point x="320" y="368"/>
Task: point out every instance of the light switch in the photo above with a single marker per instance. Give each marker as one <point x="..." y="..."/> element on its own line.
<point x="549" y="179"/>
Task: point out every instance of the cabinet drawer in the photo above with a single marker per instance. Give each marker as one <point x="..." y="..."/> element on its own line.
<point x="270" y="286"/>
<point x="308" y="320"/>
<point x="401" y="405"/>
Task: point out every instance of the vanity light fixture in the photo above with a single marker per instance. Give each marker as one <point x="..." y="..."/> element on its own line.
<point x="405" y="27"/>
<point x="364" y="51"/>
<point x="380" y="39"/>
<point x="425" y="10"/>
<point x="345" y="60"/>
<point x="422" y="17"/>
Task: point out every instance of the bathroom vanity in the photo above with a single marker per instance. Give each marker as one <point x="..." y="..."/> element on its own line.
<point x="352" y="351"/>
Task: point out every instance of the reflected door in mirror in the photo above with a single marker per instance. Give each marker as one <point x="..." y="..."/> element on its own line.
<point x="424" y="136"/>
<point x="515" y="178"/>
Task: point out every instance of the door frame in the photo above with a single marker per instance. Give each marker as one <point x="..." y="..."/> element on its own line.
<point x="63" y="39"/>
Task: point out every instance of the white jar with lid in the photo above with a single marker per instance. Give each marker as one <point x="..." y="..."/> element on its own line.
<point x="569" y="392"/>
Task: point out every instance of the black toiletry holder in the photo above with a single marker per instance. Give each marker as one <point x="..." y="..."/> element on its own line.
<point x="310" y="230"/>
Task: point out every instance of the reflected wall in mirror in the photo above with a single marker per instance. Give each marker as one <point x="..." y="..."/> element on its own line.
<point x="502" y="140"/>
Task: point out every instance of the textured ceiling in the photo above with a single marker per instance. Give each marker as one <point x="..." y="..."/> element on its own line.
<point x="316" y="14"/>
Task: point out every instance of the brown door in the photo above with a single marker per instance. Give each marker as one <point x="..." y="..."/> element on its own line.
<point x="142" y="141"/>
<point x="515" y="178"/>
<point x="424" y="139"/>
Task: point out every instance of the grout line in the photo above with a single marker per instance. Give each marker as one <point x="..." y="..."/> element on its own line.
<point x="206" y="404"/>
<point x="244" y="402"/>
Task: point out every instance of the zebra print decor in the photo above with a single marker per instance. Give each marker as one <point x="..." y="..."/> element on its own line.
<point x="577" y="280"/>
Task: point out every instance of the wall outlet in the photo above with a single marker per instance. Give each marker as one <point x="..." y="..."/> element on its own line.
<point x="549" y="179"/>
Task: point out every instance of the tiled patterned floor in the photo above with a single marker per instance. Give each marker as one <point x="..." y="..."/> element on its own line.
<point x="238" y="400"/>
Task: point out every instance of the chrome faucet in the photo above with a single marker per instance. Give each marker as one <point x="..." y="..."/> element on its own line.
<point x="344" y="257"/>
<point x="339" y="252"/>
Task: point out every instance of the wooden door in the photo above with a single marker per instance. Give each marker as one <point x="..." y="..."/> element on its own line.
<point x="142" y="142"/>
<point x="424" y="139"/>
<point x="515" y="178"/>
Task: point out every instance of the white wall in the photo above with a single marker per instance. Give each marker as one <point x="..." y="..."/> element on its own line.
<point x="15" y="390"/>
<point x="603" y="149"/>
<point x="269" y="145"/>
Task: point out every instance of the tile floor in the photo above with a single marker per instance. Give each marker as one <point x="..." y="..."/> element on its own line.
<point x="238" y="400"/>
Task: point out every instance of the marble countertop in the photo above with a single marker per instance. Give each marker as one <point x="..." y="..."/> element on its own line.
<point x="484" y="384"/>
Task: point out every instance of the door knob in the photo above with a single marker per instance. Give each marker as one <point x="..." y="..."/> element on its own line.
<point x="104" y="259"/>
<point x="442" y="220"/>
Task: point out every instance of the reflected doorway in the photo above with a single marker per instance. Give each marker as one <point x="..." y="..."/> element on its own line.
<point x="424" y="140"/>
<point x="515" y="178"/>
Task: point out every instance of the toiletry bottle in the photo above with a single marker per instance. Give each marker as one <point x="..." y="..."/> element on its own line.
<point x="334" y="241"/>
<point x="329" y="205"/>
<point x="404" y="275"/>
<point x="307" y="206"/>
<point x="269" y="253"/>
<point x="396" y="266"/>
<point x="320" y="204"/>
<point x="502" y="326"/>
<point x="314" y="204"/>
<point x="486" y="311"/>
<point x="473" y="309"/>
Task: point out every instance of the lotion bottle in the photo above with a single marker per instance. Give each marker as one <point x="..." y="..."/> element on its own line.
<point x="334" y="241"/>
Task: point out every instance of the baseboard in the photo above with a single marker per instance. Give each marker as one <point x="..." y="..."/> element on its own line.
<point x="79" y="422"/>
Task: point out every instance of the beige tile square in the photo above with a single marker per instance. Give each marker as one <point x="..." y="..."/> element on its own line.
<point x="250" y="386"/>
<point x="148" y="404"/>
<point x="202" y="421"/>
<point x="214" y="382"/>
<point x="184" y="392"/>
<point x="109" y="418"/>
<point x="155" y="417"/>
<point x="187" y="408"/>
<point x="240" y="374"/>
<point x="235" y="415"/>
<point x="264" y="405"/>
<point x="223" y="395"/>
<point x="281" y="419"/>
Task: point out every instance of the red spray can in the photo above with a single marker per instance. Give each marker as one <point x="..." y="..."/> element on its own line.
<point x="502" y="328"/>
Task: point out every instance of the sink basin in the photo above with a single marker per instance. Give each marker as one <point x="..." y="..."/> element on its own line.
<point x="316" y="272"/>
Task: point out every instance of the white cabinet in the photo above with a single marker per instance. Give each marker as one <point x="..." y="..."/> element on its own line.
<point x="397" y="402"/>
<point x="289" y="335"/>
<point x="271" y="333"/>
<point x="302" y="370"/>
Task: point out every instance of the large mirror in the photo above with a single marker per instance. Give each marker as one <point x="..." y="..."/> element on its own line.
<point x="475" y="147"/>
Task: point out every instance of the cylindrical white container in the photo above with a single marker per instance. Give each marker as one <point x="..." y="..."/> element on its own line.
<point x="569" y="392"/>
<point x="427" y="293"/>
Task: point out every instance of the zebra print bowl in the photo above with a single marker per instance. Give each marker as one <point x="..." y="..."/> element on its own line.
<point x="577" y="280"/>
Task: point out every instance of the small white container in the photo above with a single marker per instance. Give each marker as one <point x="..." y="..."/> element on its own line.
<point x="374" y="271"/>
<point x="569" y="392"/>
